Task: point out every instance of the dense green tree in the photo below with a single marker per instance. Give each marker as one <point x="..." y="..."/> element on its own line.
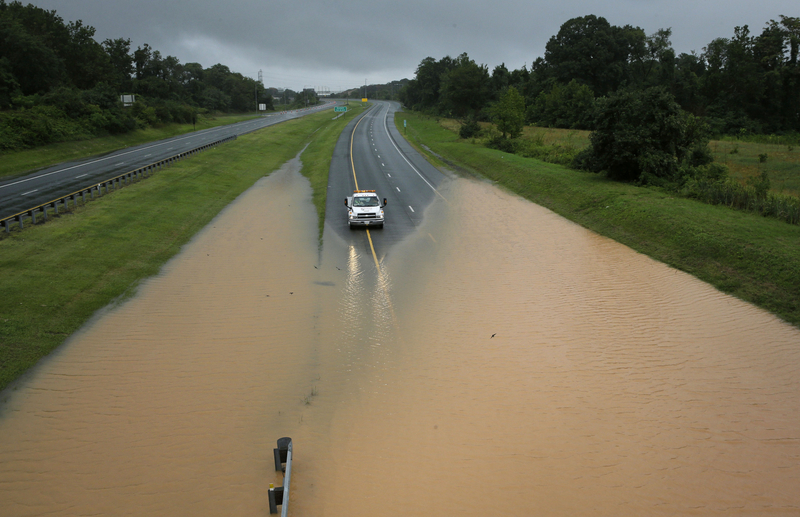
<point x="509" y="113"/>
<point x="121" y="60"/>
<point x="8" y="83"/>
<point x="689" y="69"/>
<point x="465" y="88"/>
<point x="658" y="67"/>
<point x="569" y="106"/>
<point x="86" y="61"/>
<point x="424" y="90"/>
<point x="644" y="135"/>
<point x="31" y="65"/>
<point x="593" y="52"/>
<point x="501" y="80"/>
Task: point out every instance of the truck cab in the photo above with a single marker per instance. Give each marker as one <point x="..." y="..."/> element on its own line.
<point x="364" y="208"/>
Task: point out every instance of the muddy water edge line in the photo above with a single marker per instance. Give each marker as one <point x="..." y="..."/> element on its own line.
<point x="752" y="257"/>
<point x="56" y="275"/>
<point x="170" y="403"/>
<point x="526" y="369"/>
<point x="542" y="369"/>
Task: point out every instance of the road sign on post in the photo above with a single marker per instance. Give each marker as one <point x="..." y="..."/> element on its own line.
<point x="337" y="109"/>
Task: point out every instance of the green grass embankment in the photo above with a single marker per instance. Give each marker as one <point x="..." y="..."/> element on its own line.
<point x="754" y="258"/>
<point x="57" y="274"/>
<point x="20" y="162"/>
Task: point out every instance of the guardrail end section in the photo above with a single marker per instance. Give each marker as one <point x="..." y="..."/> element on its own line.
<point x="283" y="461"/>
<point x="282" y="452"/>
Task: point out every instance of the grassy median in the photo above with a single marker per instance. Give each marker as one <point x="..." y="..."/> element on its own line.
<point x="56" y="275"/>
<point x="754" y="258"/>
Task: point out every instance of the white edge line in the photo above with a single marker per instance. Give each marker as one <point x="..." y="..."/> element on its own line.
<point x="386" y="126"/>
<point x="104" y="159"/>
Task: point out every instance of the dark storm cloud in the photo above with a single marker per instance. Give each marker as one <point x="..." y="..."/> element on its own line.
<point x="341" y="44"/>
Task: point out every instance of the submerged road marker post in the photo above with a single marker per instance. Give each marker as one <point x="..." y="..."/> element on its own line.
<point x="283" y="461"/>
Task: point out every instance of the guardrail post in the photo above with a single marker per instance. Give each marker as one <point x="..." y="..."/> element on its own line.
<point x="5" y="223"/>
<point x="283" y="461"/>
<point x="19" y="218"/>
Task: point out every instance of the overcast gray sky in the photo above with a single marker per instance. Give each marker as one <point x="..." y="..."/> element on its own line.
<point x="341" y="43"/>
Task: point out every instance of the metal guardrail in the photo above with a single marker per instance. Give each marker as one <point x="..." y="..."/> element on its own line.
<point x="114" y="183"/>
<point x="283" y="461"/>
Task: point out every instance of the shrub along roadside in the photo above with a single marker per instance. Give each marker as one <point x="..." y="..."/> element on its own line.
<point x="754" y="258"/>
<point x="56" y="275"/>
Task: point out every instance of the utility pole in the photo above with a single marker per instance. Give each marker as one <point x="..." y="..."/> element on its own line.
<point x="260" y="80"/>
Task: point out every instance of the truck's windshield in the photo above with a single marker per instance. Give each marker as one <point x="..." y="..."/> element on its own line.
<point x="366" y="201"/>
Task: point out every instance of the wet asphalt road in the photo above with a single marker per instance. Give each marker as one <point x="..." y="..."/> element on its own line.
<point x="383" y="161"/>
<point x="24" y="192"/>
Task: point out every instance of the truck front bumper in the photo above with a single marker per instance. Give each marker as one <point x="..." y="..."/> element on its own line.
<point x="365" y="222"/>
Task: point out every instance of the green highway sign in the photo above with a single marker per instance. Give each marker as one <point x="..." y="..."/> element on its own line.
<point x="339" y="108"/>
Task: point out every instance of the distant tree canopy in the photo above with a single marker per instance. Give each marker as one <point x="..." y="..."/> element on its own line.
<point x="745" y="83"/>
<point x="50" y="69"/>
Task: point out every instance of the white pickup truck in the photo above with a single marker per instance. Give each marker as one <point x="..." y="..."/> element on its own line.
<point x="364" y="209"/>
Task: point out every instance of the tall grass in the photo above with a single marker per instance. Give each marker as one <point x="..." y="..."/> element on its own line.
<point x="789" y="139"/>
<point x="734" y="195"/>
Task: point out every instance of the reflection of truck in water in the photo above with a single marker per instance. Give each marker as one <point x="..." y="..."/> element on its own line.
<point x="364" y="209"/>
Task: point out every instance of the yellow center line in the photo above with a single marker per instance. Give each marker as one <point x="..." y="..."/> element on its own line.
<point x="381" y="279"/>
<point x="353" y="165"/>
<point x="355" y="179"/>
<point x="374" y="255"/>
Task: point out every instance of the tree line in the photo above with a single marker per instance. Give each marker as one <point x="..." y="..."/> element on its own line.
<point x="57" y="82"/>
<point x="651" y="113"/>
<point x="745" y="83"/>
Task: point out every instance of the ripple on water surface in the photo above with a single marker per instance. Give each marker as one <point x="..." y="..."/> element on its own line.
<point x="531" y="368"/>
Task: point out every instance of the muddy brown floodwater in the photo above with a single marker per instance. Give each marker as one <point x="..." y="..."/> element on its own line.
<point x="516" y="364"/>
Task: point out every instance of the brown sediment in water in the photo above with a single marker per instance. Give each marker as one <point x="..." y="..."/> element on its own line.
<point x="613" y="384"/>
<point x="169" y="404"/>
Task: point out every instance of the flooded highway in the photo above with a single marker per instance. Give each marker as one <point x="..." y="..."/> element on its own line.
<point x="500" y="361"/>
